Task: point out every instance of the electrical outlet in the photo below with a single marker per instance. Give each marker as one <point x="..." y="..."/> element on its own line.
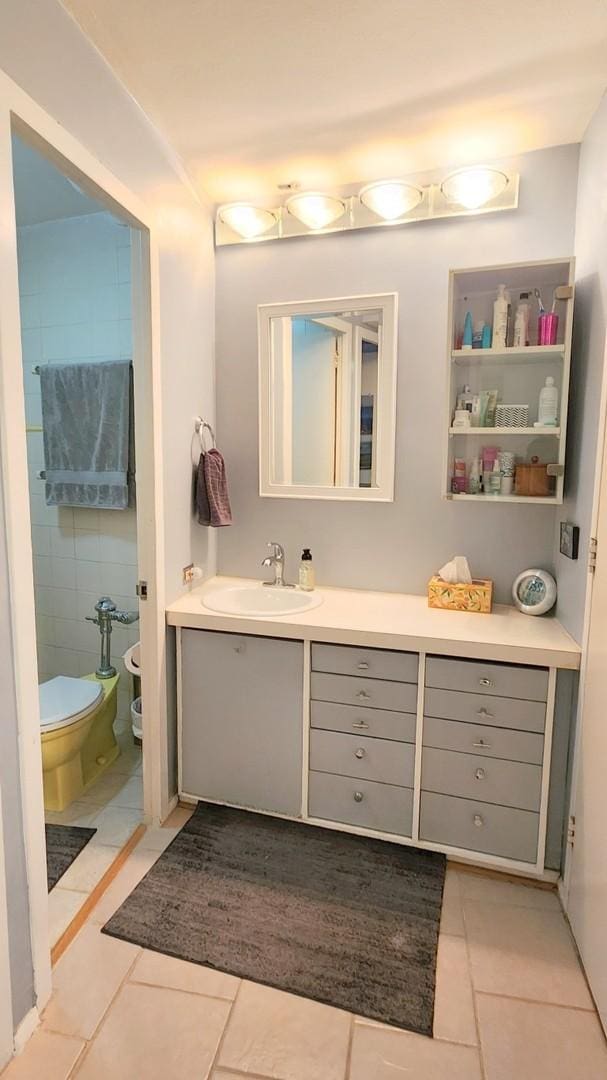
<point x="188" y="574"/>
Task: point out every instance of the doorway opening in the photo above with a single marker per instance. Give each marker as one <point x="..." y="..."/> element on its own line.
<point x="76" y="304"/>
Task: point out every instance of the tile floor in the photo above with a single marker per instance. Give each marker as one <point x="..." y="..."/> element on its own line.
<point x="511" y="1004"/>
<point x="113" y="806"/>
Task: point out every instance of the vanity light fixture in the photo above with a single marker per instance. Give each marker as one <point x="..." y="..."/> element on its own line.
<point x="314" y="209"/>
<point x="473" y="188"/>
<point x="390" y="199"/>
<point x="247" y="220"/>
<point x="478" y="189"/>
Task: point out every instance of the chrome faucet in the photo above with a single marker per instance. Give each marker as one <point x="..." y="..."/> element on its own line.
<point x="107" y="613"/>
<point x="277" y="560"/>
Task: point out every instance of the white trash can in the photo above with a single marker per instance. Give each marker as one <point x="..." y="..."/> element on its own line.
<point x="137" y="719"/>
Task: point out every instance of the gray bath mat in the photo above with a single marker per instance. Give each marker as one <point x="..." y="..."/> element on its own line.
<point x="346" y="920"/>
<point x="63" y="844"/>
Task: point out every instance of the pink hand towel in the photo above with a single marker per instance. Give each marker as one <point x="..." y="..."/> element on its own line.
<point x="212" y="499"/>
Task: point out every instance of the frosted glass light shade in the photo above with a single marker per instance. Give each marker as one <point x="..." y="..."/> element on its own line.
<point x="390" y="199"/>
<point x="247" y="220"/>
<point x="315" y="210"/>
<point x="473" y="188"/>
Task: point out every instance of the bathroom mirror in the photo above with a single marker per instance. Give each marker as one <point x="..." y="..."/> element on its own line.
<point x="327" y="398"/>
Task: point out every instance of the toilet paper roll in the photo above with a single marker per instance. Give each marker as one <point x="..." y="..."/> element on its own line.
<point x="132" y="659"/>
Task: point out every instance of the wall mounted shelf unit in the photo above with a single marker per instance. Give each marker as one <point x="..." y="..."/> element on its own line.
<point x="516" y="373"/>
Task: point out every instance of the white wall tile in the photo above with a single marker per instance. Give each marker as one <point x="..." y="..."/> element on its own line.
<point x="64" y="573"/>
<point x="41" y="540"/>
<point x="75" y="308"/>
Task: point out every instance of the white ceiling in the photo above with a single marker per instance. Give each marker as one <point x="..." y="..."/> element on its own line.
<point x="42" y="193"/>
<point x="253" y="93"/>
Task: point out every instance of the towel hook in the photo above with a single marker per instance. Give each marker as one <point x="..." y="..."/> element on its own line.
<point x="200" y="426"/>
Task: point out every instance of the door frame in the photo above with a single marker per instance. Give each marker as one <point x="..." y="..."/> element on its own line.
<point x="21" y="114"/>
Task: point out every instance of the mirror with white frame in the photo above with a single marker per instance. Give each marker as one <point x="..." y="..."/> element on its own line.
<point x="327" y="398"/>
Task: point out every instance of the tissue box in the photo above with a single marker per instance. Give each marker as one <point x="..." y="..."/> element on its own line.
<point x="475" y="597"/>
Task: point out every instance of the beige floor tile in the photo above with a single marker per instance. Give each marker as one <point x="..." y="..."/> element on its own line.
<point x="77" y="813"/>
<point x="130" y="794"/>
<point x="157" y="838"/>
<point x="160" y="970"/>
<point x="85" y="980"/>
<point x="106" y="788"/>
<point x="524" y="952"/>
<point x="453" y="1005"/>
<point x="452" y="919"/>
<point x="127" y="763"/>
<point x="522" y="1041"/>
<point x="227" y="1074"/>
<point x="285" y="1037"/>
<point x="89" y="867"/>
<point x="152" y="1033"/>
<point x="136" y="867"/>
<point x="385" y="1054"/>
<point x="115" y="824"/>
<point x="63" y="905"/>
<point x="491" y="890"/>
<point x="47" y="1056"/>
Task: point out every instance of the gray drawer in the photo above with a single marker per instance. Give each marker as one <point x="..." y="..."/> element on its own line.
<point x="484" y="741"/>
<point x="482" y="708"/>
<point x="373" y="693"/>
<point x="382" y="807"/>
<point x="371" y="759"/>
<point x="504" y="680"/>
<point x="374" y="723"/>
<point x="475" y="826"/>
<point x="366" y="663"/>
<point x="470" y="776"/>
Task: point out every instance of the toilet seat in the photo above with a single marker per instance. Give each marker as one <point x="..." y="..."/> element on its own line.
<point x="64" y="700"/>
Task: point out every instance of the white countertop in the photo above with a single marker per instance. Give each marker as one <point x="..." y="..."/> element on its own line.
<point x="395" y="621"/>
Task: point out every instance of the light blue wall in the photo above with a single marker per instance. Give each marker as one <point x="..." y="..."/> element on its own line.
<point x="394" y="546"/>
<point x="590" y="324"/>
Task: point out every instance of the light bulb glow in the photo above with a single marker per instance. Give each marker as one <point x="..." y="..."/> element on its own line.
<point x="247" y="220"/>
<point x="473" y="188"/>
<point x="390" y="199"/>
<point x="315" y="210"/>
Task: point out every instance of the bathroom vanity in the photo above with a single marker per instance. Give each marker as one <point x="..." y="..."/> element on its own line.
<point x="375" y="714"/>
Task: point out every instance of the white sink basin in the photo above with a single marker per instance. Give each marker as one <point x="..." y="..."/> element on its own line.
<point x="259" y="601"/>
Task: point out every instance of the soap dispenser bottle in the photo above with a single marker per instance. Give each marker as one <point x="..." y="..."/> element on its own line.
<point x="306" y="571"/>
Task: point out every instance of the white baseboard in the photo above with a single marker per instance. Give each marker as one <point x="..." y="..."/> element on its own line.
<point x="26" y="1029"/>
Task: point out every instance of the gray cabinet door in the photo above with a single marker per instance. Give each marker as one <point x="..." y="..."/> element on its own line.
<point x="242" y="716"/>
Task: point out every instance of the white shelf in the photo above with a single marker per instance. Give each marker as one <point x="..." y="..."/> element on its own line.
<point x="519" y="355"/>
<point x="550" y="500"/>
<point x="501" y="431"/>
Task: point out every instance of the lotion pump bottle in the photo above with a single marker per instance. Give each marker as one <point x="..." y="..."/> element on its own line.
<point x="548" y="404"/>
<point x="306" y="571"/>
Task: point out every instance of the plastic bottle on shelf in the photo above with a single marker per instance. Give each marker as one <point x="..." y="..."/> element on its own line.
<point x="548" y="404"/>
<point x="521" y="321"/>
<point x="501" y="307"/>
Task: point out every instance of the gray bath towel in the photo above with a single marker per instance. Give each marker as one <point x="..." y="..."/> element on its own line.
<point x="87" y="422"/>
<point x="212" y="499"/>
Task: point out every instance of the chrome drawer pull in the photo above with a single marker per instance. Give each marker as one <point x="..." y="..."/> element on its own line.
<point x="481" y="745"/>
<point x="360" y="724"/>
<point x="360" y="753"/>
<point x="358" y="796"/>
<point x="478" y="821"/>
<point x="485" y="714"/>
<point x="479" y="774"/>
<point x="485" y="682"/>
<point x="363" y="695"/>
<point x="363" y="665"/>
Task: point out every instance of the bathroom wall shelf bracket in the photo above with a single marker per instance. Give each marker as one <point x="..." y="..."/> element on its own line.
<point x="516" y="374"/>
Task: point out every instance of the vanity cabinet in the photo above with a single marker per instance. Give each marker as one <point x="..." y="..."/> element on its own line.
<point x="450" y="753"/>
<point x="241" y="716"/>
